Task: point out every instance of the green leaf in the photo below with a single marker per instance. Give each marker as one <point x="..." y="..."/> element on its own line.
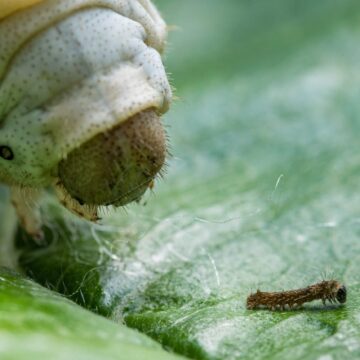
<point x="39" y="324"/>
<point x="262" y="191"/>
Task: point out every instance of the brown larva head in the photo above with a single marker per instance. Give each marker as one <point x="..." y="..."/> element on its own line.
<point x="341" y="294"/>
<point x="335" y="290"/>
<point x="117" y="166"/>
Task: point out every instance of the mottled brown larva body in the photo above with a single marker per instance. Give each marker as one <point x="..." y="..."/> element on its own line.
<point x="330" y="290"/>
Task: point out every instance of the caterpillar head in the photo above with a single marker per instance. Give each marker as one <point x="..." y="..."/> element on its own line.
<point x="341" y="294"/>
<point x="335" y="291"/>
<point x="82" y="90"/>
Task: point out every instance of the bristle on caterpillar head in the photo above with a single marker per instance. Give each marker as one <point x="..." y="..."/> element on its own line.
<point x="89" y="212"/>
<point x="330" y="290"/>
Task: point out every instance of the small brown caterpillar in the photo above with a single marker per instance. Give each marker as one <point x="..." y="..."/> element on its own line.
<point x="330" y="290"/>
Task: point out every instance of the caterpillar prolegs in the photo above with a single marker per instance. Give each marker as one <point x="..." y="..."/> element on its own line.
<point x="330" y="290"/>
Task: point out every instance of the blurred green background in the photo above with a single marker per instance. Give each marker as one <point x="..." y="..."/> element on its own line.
<point x="261" y="191"/>
<point x="214" y="41"/>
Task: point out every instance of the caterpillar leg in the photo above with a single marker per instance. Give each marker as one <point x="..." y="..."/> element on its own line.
<point x="8" y="222"/>
<point x="25" y="202"/>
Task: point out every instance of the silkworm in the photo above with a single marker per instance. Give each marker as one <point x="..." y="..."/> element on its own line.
<point x="82" y="90"/>
<point x="330" y="290"/>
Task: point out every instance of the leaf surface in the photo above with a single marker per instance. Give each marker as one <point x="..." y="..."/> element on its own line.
<point x="39" y="324"/>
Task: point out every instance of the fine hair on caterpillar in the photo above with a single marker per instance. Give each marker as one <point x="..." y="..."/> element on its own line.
<point x="330" y="290"/>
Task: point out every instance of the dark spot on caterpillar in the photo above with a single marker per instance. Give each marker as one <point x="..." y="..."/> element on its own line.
<point x="330" y="290"/>
<point x="6" y="153"/>
<point x="80" y="201"/>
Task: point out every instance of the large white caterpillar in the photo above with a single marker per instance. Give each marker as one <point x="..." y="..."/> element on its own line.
<point x="82" y="88"/>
